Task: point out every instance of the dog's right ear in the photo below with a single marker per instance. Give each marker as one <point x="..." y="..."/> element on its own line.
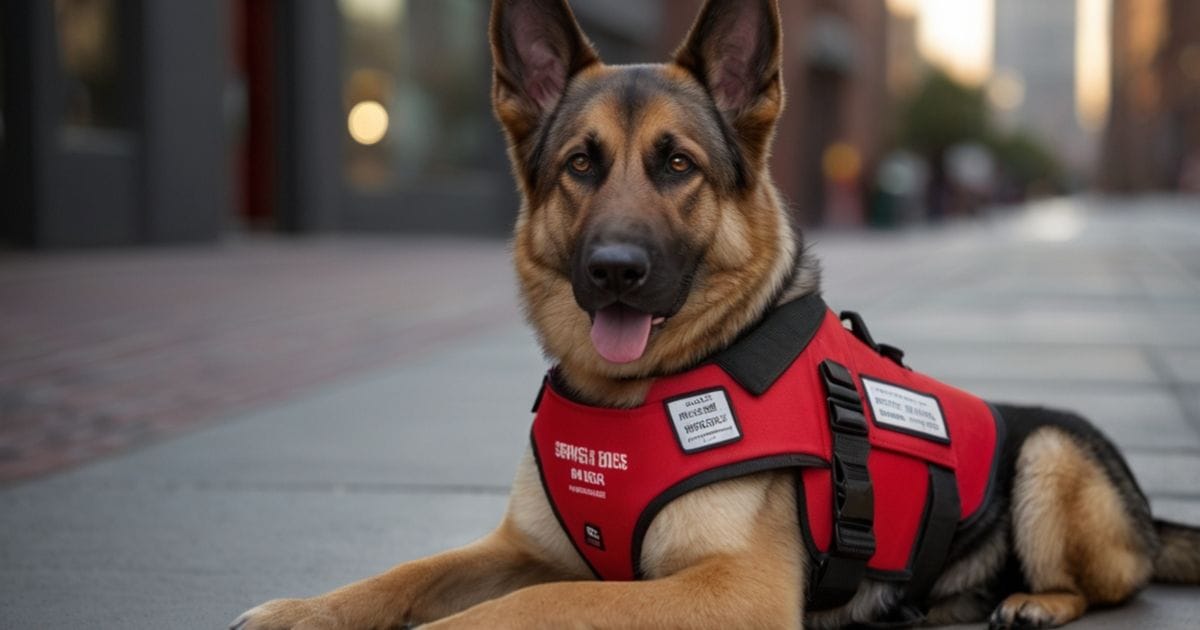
<point x="537" y="46"/>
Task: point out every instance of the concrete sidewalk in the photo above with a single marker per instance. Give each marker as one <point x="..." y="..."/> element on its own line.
<point x="1086" y="304"/>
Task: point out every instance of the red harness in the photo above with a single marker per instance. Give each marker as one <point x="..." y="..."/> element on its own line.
<point x="890" y="461"/>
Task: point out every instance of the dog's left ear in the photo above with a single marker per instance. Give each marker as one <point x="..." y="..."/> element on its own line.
<point x="735" y="51"/>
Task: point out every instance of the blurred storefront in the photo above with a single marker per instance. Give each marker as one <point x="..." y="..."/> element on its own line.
<point x="153" y="121"/>
<point x="1152" y="141"/>
<point x="112" y="122"/>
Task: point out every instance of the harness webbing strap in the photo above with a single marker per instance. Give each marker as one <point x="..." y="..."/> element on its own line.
<point x="837" y="577"/>
<point x="941" y="522"/>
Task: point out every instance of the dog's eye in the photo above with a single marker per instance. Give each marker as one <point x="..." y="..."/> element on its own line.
<point x="680" y="164"/>
<point x="580" y="163"/>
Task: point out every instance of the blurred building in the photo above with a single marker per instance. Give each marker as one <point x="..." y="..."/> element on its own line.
<point x="906" y="67"/>
<point x="112" y="121"/>
<point x="154" y="121"/>
<point x="1152" y="141"/>
<point x="1034" y="78"/>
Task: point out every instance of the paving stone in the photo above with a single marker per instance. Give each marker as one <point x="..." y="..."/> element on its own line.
<point x="959" y="363"/>
<point x="1170" y="474"/>
<point x="1137" y="417"/>
<point x="1184" y="364"/>
<point x="1177" y="510"/>
<point x="100" y="351"/>
<point x="196" y="557"/>
<point x="459" y="417"/>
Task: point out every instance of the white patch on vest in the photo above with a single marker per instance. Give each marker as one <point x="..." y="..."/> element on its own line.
<point x="906" y="410"/>
<point x="704" y="420"/>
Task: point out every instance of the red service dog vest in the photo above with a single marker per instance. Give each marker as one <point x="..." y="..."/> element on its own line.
<point x="890" y="462"/>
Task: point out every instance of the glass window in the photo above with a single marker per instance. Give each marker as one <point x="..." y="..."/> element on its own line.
<point x="89" y="55"/>
<point x="415" y="90"/>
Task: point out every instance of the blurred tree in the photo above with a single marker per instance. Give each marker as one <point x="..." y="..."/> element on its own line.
<point x="1026" y="165"/>
<point x="943" y="113"/>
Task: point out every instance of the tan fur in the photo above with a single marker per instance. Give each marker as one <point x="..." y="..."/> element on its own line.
<point x="749" y="250"/>
<point x="1075" y="541"/>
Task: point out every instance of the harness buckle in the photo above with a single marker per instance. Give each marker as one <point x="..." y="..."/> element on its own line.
<point x="837" y="577"/>
<point x="847" y="418"/>
<point x="854" y="540"/>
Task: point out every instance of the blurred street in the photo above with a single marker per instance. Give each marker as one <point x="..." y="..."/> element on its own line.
<point x="337" y="405"/>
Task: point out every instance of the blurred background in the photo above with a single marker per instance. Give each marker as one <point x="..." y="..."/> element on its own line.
<point x="130" y="122"/>
<point x="274" y="232"/>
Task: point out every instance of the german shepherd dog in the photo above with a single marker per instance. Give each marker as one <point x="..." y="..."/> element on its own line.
<point x="650" y="237"/>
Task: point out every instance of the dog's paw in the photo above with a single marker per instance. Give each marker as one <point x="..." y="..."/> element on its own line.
<point x="287" y="614"/>
<point x="1023" y="611"/>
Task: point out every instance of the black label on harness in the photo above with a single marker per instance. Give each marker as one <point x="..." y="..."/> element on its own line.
<point x="592" y="536"/>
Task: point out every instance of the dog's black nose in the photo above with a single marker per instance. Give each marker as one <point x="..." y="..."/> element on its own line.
<point x="618" y="268"/>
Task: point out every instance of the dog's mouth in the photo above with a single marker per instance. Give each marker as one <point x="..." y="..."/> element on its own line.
<point x="620" y="333"/>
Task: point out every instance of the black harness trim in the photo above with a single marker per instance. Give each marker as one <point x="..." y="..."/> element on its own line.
<point x="761" y="356"/>
<point x="938" y="525"/>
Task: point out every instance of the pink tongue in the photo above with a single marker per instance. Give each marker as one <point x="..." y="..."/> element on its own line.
<point x="620" y="333"/>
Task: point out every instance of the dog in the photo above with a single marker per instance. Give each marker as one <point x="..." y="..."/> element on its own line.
<point x="650" y="240"/>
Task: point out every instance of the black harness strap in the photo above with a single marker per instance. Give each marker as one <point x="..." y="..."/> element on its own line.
<point x="836" y="577"/>
<point x="940" y="523"/>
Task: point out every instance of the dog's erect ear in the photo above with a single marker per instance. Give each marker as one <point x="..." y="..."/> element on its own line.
<point x="735" y="50"/>
<point x="537" y="46"/>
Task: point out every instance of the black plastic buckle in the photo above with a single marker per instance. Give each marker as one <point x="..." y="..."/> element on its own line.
<point x="854" y="540"/>
<point x="837" y="577"/>
<point x="846" y="418"/>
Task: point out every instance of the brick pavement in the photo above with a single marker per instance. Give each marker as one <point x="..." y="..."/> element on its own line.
<point x="102" y="351"/>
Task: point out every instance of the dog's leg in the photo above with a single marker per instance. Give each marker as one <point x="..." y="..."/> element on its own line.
<point x="746" y="591"/>
<point x="724" y="556"/>
<point x="1075" y="538"/>
<point x="414" y="592"/>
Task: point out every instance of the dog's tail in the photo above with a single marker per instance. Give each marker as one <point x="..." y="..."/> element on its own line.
<point x="1178" y="560"/>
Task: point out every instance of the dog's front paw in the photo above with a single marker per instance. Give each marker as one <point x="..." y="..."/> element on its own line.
<point x="288" y="614"/>
<point x="1041" y="610"/>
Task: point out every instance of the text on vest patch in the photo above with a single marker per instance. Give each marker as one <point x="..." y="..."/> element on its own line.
<point x="703" y="420"/>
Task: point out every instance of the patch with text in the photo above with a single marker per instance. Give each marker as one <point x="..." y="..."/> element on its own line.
<point x="904" y="410"/>
<point x="703" y="420"/>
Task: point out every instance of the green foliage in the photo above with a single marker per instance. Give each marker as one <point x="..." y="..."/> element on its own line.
<point x="943" y="113"/>
<point x="1025" y="161"/>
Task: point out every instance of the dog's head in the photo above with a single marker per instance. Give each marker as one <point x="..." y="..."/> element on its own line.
<point x="650" y="233"/>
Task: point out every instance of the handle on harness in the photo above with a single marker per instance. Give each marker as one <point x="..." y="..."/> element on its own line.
<point x="859" y="329"/>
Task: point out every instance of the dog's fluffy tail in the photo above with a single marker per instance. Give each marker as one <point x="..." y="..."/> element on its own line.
<point x="1178" y="560"/>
